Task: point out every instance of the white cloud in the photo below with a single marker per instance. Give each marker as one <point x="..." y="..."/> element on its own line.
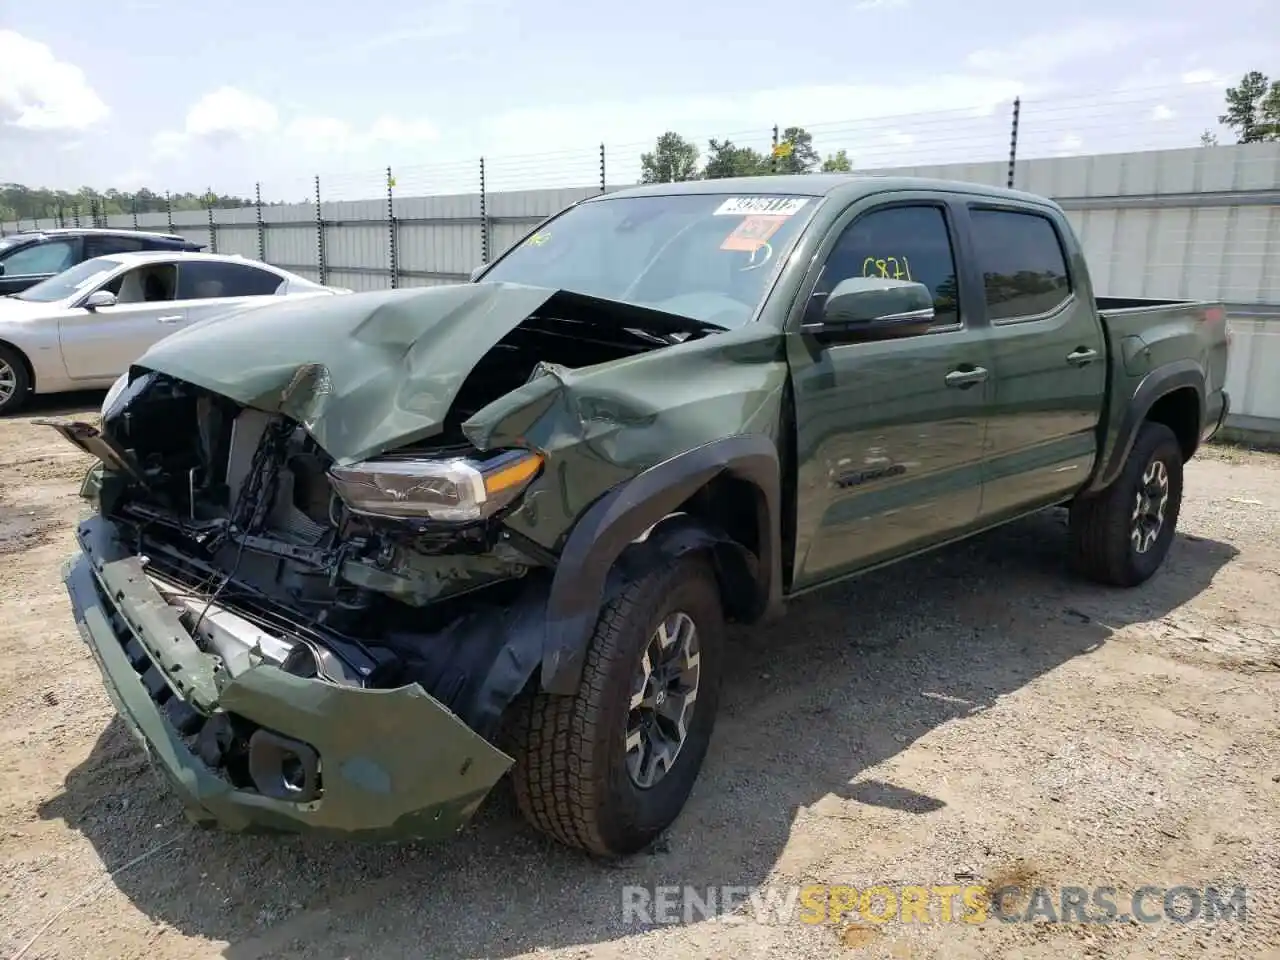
<point x="168" y="143"/>
<point x="319" y="132"/>
<point x="1161" y="112"/>
<point x="396" y="130"/>
<point x="1044" y="53"/>
<point x="435" y="21"/>
<point x="331" y="134"/>
<point x="229" y="111"/>
<point x="225" y="114"/>
<point x="1071" y="143"/>
<point x="1201" y="76"/>
<point x="40" y="92"/>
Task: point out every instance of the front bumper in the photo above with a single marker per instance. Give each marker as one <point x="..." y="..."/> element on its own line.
<point x="393" y="764"/>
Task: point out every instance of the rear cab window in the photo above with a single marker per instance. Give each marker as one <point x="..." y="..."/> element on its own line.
<point x="1023" y="263"/>
<point x="97" y="245"/>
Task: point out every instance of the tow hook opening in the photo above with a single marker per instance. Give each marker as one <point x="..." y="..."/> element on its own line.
<point x="283" y="768"/>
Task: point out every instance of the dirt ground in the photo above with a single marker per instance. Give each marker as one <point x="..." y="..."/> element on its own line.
<point x="971" y="717"/>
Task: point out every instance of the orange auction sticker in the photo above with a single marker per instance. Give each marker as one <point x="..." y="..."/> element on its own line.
<point x="752" y="233"/>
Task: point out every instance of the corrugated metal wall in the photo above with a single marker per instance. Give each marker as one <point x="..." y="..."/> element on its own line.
<point x="1199" y="223"/>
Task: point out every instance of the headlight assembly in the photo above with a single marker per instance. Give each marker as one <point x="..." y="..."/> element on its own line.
<point x="455" y="490"/>
<point x="113" y="394"/>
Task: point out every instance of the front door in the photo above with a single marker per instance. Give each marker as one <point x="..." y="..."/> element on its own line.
<point x="890" y="433"/>
<point x="101" y="344"/>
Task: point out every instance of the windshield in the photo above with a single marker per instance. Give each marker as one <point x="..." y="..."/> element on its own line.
<point x="7" y="242"/>
<point x="706" y="256"/>
<point x="70" y="282"/>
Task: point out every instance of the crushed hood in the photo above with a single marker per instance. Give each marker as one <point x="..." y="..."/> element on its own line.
<point x="370" y="372"/>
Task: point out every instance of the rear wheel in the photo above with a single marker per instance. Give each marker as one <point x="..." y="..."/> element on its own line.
<point x="15" y="384"/>
<point x="609" y="768"/>
<point x="1122" y="535"/>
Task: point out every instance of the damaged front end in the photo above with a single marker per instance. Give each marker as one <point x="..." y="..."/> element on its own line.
<point x="314" y="619"/>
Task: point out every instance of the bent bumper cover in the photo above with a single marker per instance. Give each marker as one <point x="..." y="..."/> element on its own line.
<point x="394" y="763"/>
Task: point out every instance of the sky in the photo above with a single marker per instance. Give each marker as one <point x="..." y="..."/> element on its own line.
<point x="171" y="94"/>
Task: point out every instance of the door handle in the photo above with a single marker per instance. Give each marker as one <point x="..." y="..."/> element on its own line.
<point x="1081" y="356"/>
<point x="171" y="319"/>
<point x="966" y="378"/>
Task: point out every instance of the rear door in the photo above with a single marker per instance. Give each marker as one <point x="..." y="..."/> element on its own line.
<point x="27" y="265"/>
<point x="101" y="344"/>
<point x="889" y="433"/>
<point x="1049" y="354"/>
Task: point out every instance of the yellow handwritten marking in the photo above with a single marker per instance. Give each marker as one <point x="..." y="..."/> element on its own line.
<point x="537" y="240"/>
<point x="887" y="268"/>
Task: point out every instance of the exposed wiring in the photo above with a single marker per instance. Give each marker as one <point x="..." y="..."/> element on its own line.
<point x="256" y="498"/>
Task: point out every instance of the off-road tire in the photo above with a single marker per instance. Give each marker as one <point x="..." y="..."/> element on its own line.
<point x="1101" y="525"/>
<point x="14" y="361"/>
<point x="570" y="776"/>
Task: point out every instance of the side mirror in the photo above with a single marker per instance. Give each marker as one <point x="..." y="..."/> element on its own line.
<point x="872" y="308"/>
<point x="476" y="271"/>
<point x="98" y="299"/>
<point x="1" y="269"/>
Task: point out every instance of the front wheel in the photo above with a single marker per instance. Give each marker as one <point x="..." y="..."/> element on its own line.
<point x="1121" y="535"/>
<point x="609" y="768"/>
<point x="15" y="385"/>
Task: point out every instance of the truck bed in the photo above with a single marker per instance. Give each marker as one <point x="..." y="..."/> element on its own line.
<point x="1146" y="334"/>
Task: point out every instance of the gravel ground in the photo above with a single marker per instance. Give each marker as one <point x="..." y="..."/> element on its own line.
<point x="971" y="717"/>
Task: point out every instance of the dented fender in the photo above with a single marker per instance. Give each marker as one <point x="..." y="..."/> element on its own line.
<point x="631" y="522"/>
<point x="625" y="445"/>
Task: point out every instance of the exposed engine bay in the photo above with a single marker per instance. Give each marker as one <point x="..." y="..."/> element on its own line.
<point x="352" y="574"/>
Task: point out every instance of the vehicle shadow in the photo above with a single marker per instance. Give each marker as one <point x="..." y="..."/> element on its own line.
<point x="852" y="677"/>
<point x="58" y="404"/>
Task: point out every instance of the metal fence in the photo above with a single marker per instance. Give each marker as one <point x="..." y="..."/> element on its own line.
<point x="1158" y="213"/>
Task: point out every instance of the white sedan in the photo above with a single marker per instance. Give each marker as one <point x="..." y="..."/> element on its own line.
<point x="81" y="329"/>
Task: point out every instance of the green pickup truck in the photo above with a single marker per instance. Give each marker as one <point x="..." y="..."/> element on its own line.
<point x="354" y="560"/>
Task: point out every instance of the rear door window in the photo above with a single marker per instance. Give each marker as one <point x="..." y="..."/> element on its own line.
<point x="102" y="246"/>
<point x="1024" y="268"/>
<point x="208" y="280"/>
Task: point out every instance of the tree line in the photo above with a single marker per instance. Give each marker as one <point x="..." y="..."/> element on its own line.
<point x="1252" y="110"/>
<point x="19" y="202"/>
<point x="674" y="158"/>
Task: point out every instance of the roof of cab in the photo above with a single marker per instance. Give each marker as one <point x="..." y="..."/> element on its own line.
<point x="847" y="186"/>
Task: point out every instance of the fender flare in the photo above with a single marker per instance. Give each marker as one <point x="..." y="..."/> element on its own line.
<point x="1159" y="382"/>
<point x="626" y="513"/>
